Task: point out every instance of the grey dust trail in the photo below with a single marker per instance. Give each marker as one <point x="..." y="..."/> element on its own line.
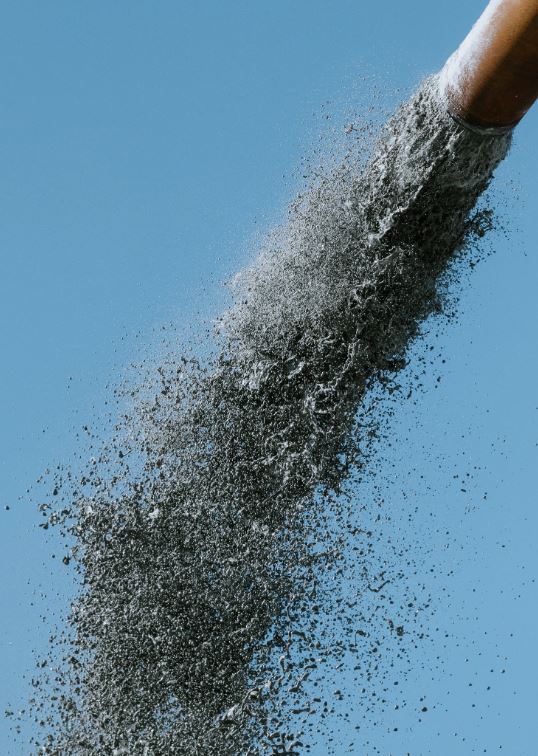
<point x="200" y="618"/>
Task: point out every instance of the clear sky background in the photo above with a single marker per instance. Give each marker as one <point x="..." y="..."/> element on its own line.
<point x="142" y="146"/>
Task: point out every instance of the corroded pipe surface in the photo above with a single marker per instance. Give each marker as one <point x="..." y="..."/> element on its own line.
<point x="491" y="81"/>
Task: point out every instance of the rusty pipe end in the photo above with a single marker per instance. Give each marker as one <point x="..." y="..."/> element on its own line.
<point x="491" y="81"/>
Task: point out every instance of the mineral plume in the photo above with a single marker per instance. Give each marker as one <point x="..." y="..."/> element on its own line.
<point x="197" y="528"/>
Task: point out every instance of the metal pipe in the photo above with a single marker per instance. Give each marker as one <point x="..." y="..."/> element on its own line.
<point x="491" y="81"/>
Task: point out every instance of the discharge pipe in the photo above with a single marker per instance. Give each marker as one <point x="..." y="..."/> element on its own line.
<point x="491" y="81"/>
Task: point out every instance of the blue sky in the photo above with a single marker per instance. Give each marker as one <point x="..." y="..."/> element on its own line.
<point x="143" y="145"/>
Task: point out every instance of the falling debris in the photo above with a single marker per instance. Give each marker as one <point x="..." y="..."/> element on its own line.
<point x="209" y="568"/>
